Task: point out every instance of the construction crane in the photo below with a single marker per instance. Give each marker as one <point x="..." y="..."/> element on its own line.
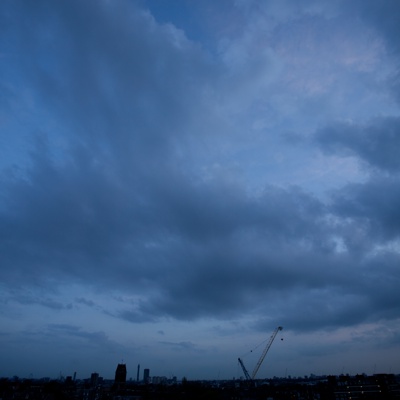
<point x="246" y="374"/>
<point x="261" y="359"/>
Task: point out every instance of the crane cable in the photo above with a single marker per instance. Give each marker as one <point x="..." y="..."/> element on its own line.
<point x="255" y="348"/>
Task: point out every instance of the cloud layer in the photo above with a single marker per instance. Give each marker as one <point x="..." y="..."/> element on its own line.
<point x="248" y="177"/>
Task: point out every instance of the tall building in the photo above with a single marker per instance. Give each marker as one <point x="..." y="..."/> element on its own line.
<point x="120" y="373"/>
<point x="94" y="379"/>
<point x="138" y="371"/>
<point x="146" y="375"/>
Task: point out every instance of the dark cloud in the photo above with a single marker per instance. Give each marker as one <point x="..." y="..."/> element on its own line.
<point x="28" y="297"/>
<point x="181" y="346"/>
<point x="204" y="251"/>
<point x="45" y="302"/>
<point x="384" y="16"/>
<point x="376" y="143"/>
<point x="373" y="206"/>
<point x="136" y="316"/>
<point x="97" y="339"/>
<point x="82" y="300"/>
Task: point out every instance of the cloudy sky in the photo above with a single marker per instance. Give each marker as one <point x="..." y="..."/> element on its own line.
<point x="178" y="178"/>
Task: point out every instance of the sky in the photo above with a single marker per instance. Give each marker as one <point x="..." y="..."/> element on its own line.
<point x="178" y="178"/>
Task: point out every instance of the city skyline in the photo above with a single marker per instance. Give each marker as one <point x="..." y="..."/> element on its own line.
<point x="179" y="178"/>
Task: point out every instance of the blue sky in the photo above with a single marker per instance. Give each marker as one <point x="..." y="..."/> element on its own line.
<point x="179" y="178"/>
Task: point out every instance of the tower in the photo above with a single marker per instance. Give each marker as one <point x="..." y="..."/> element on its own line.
<point x="94" y="379"/>
<point x="146" y="375"/>
<point x="120" y="374"/>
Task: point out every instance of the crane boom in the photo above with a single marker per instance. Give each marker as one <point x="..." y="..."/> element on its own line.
<point x="264" y="353"/>
<point x="246" y="374"/>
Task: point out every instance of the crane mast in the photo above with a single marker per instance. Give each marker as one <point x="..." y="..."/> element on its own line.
<point x="261" y="359"/>
<point x="246" y="374"/>
<point x="264" y="353"/>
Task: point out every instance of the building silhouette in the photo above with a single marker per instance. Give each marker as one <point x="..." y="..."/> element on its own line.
<point x="94" y="378"/>
<point x="120" y="375"/>
<point x="146" y="375"/>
